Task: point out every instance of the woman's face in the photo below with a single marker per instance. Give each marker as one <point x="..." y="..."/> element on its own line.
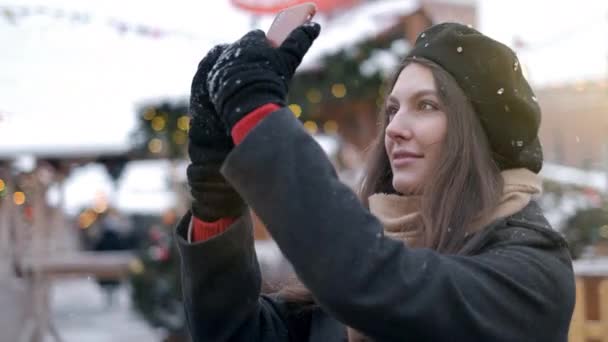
<point x="416" y="130"/>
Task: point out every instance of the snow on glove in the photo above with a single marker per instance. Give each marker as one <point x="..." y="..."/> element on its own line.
<point x="251" y="72"/>
<point x="209" y="144"/>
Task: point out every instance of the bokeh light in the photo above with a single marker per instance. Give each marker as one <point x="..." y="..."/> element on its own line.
<point x="338" y="90"/>
<point x="158" y="123"/>
<point x="296" y="109"/>
<point x="311" y="127"/>
<point x="155" y="145"/>
<point x="183" y="123"/>
<point x="19" y="198"/>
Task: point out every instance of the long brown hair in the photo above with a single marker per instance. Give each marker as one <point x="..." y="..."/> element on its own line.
<point x="466" y="182"/>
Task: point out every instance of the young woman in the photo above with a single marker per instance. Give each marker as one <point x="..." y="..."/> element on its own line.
<point x="444" y="243"/>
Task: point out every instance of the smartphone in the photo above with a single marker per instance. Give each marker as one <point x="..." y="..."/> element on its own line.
<point x="289" y="19"/>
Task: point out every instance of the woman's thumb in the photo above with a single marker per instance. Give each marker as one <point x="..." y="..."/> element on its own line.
<point x="298" y="42"/>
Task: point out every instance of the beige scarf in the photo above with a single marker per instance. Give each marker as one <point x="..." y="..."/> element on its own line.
<point x="400" y="215"/>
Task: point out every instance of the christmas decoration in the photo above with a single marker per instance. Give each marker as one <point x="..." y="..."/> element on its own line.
<point x="162" y="130"/>
<point x="347" y="88"/>
<point x="155" y="278"/>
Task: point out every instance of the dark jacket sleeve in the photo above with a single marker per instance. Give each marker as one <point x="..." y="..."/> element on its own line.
<point x="375" y="284"/>
<point x="221" y="288"/>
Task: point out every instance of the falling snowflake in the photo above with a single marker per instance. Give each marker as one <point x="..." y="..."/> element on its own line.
<point x="459" y="49"/>
<point x="500" y="91"/>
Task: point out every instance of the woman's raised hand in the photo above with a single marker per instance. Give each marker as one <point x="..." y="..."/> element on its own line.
<point x="251" y="72"/>
<point x="209" y="144"/>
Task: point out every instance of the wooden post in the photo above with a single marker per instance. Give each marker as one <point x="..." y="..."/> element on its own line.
<point x="603" y="299"/>
<point x="577" y="325"/>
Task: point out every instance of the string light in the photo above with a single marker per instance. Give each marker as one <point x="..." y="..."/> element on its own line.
<point x="179" y="137"/>
<point x="2" y="185"/>
<point x="136" y="266"/>
<point x="155" y="145"/>
<point x="296" y="109"/>
<point x="314" y="95"/>
<point x="158" y="123"/>
<point x="86" y="219"/>
<point x="183" y="123"/>
<point x="311" y="127"/>
<point x="330" y="126"/>
<point x="338" y="90"/>
<point x="150" y="113"/>
<point x="18" y="198"/>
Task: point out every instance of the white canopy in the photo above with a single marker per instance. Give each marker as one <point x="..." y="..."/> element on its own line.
<point x="69" y="86"/>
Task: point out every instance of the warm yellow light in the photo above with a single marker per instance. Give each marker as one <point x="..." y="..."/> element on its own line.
<point x="86" y="219"/>
<point x="183" y="123"/>
<point x="158" y="123"/>
<point x="19" y="198"/>
<point x="338" y="90"/>
<point x="155" y="145"/>
<point x="179" y="137"/>
<point x="296" y="109"/>
<point x="311" y="127"/>
<point x="149" y="114"/>
<point x="2" y="185"/>
<point x="314" y="95"/>
<point x="330" y="126"/>
<point x="136" y="266"/>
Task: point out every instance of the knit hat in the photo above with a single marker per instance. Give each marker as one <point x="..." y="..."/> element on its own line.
<point x="490" y="75"/>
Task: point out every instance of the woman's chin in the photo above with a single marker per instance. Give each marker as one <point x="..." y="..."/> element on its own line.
<point x="405" y="184"/>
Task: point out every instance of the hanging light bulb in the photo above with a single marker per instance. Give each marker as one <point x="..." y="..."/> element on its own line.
<point x="296" y="109"/>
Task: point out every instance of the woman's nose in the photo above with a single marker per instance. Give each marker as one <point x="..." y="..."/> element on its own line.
<point x="399" y="129"/>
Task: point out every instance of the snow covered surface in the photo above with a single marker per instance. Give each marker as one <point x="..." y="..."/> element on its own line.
<point x="72" y="88"/>
<point x="81" y="314"/>
<point x="595" y="179"/>
<point x="144" y="186"/>
<point x="591" y="266"/>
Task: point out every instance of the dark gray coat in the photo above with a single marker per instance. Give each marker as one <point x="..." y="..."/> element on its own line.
<point x="515" y="282"/>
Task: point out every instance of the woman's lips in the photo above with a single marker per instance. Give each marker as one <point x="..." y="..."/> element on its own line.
<point x="401" y="159"/>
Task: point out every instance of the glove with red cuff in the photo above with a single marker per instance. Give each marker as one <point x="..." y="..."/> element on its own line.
<point x="251" y="73"/>
<point x="213" y="197"/>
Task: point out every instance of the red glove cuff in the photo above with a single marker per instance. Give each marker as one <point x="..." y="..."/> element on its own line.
<point x="246" y="124"/>
<point x="202" y="230"/>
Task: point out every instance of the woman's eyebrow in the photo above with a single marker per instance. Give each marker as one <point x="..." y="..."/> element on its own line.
<point x="424" y="92"/>
<point x="417" y="94"/>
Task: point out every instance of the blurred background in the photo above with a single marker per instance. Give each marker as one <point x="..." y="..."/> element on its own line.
<point x="93" y="133"/>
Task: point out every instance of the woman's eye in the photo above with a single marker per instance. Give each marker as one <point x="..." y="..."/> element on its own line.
<point x="391" y="111"/>
<point x="427" y="106"/>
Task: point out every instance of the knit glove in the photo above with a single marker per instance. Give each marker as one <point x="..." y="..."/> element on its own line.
<point x="209" y="144"/>
<point x="251" y="72"/>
